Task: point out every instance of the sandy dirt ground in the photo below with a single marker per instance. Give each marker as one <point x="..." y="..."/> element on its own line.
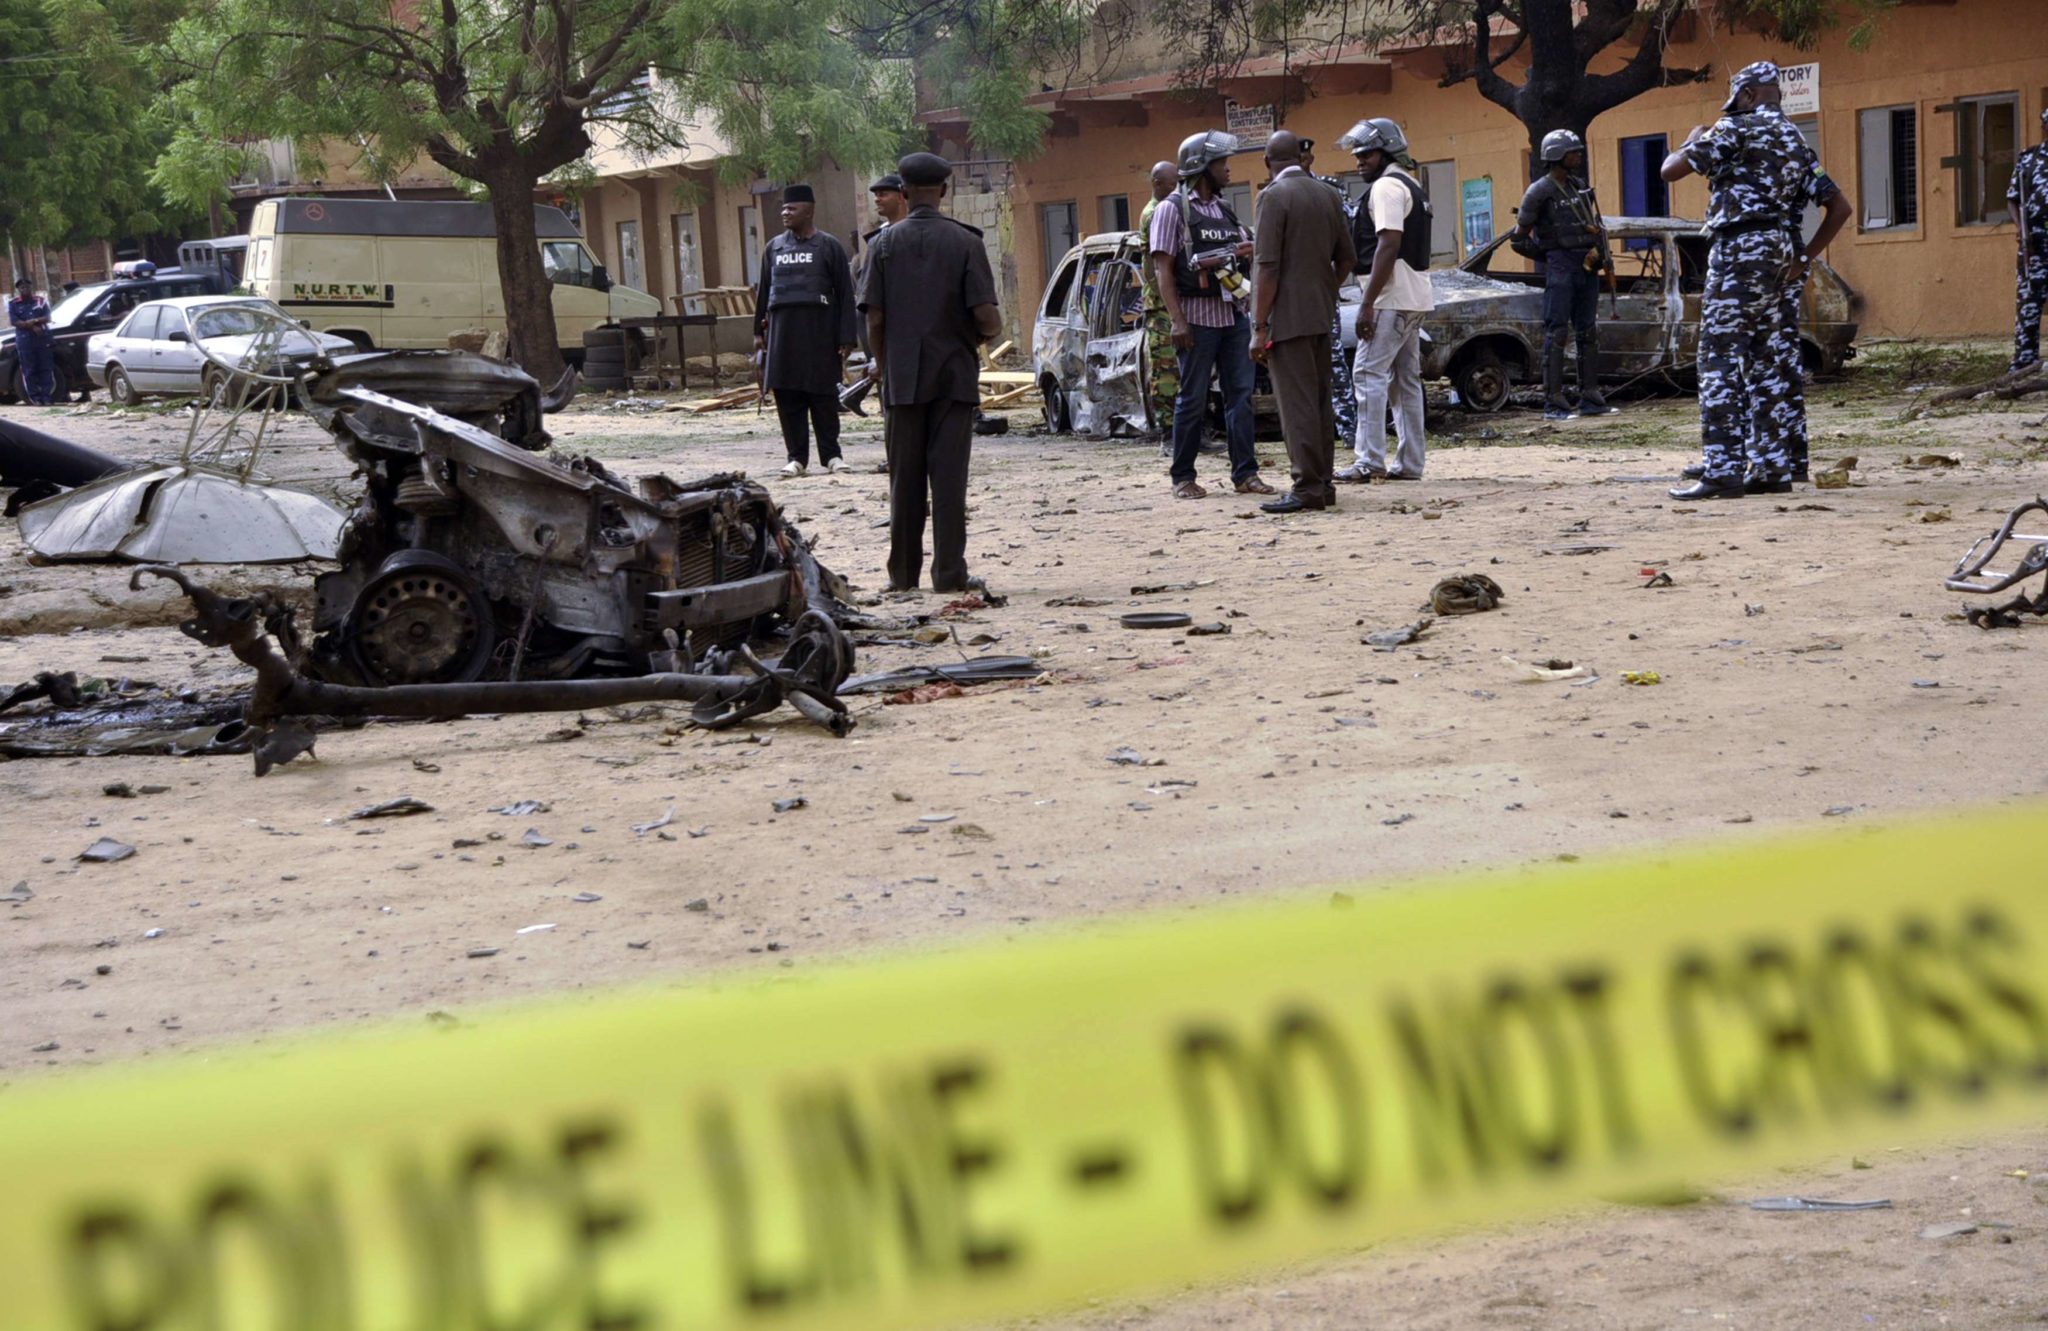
<point x="1813" y="674"/>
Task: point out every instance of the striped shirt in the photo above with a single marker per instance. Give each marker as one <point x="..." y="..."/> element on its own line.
<point x="1199" y="311"/>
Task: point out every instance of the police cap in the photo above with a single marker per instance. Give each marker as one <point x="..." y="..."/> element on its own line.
<point x="21" y="282"/>
<point x="799" y="194"/>
<point x="883" y="184"/>
<point x="1749" y="76"/>
<point x="924" y="169"/>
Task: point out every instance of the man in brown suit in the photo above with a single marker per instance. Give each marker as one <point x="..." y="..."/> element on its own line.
<point x="1303" y="253"/>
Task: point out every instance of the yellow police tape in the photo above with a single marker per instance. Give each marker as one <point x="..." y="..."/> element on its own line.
<point x="1018" y="1125"/>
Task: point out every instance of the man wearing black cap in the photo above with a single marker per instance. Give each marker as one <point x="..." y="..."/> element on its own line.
<point x="890" y="207"/>
<point x="804" y="322"/>
<point x="930" y="301"/>
<point x="34" y="347"/>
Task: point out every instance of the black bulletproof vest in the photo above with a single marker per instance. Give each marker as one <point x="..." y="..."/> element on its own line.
<point x="798" y="272"/>
<point x="1203" y="235"/>
<point x="1414" y="230"/>
<point x="1567" y="219"/>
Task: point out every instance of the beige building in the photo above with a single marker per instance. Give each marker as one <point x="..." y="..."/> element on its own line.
<point x="674" y="220"/>
<point x="1920" y="129"/>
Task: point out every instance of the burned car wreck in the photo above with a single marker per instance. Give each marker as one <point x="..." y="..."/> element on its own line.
<point x="470" y="557"/>
<point x="1092" y="361"/>
<point x="476" y="574"/>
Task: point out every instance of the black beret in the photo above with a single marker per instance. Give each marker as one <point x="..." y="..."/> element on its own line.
<point x="799" y="194"/>
<point x="925" y="169"/>
<point x="892" y="181"/>
<point x="20" y="282"/>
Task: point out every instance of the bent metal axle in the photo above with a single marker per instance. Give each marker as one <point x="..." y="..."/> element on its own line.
<point x="806" y="676"/>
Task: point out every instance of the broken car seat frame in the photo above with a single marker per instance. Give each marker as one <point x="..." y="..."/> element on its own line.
<point x="1974" y="575"/>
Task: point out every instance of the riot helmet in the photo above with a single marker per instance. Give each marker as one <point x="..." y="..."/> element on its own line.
<point x="1198" y="152"/>
<point x="1378" y="133"/>
<point x="1559" y="144"/>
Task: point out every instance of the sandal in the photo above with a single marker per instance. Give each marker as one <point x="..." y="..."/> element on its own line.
<point x="1255" y="486"/>
<point x="1189" y="490"/>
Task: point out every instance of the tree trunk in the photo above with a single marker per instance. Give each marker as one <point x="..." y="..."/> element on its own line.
<point x="529" y="296"/>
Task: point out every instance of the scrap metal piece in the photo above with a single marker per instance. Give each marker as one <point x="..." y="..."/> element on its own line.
<point x="1974" y="574"/>
<point x="492" y="395"/>
<point x="184" y="513"/>
<point x="203" y="508"/>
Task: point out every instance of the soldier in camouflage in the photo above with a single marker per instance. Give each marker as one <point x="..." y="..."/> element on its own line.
<point x="2028" y="195"/>
<point x="1761" y="176"/>
<point x="1158" y="327"/>
<point x="1345" y="399"/>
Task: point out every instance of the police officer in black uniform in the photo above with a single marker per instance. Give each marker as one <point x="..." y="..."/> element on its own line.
<point x="1560" y="218"/>
<point x="930" y="300"/>
<point x="804" y="321"/>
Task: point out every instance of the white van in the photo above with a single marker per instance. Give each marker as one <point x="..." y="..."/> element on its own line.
<point x="386" y="274"/>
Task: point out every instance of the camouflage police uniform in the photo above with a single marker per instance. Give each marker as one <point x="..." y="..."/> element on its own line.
<point x="2028" y="195"/>
<point x="1340" y="358"/>
<point x="1159" y="339"/>
<point x="1752" y="393"/>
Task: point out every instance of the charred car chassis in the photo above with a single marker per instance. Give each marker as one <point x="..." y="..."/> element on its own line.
<point x="477" y="575"/>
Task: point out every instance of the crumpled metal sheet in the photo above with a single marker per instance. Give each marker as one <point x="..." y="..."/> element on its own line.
<point x="183" y="514"/>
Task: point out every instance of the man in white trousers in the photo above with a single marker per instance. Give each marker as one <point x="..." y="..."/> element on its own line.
<point x="1392" y="226"/>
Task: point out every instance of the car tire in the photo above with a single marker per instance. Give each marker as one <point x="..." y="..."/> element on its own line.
<point x="1483" y="381"/>
<point x="120" y="388"/>
<point x="214" y="387"/>
<point x="1058" y="418"/>
<point x="604" y="337"/>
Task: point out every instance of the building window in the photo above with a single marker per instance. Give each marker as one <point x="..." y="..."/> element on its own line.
<point x="1060" y="227"/>
<point x="1889" y="149"/>
<point x="1116" y="212"/>
<point x="1643" y="191"/>
<point x="1440" y="182"/>
<point x="632" y="265"/>
<point x="1987" y="140"/>
<point x="750" y="244"/>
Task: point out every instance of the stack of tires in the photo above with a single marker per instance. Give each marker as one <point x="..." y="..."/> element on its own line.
<point x="604" y="360"/>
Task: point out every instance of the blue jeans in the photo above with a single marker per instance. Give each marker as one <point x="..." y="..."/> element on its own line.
<point x="1227" y="352"/>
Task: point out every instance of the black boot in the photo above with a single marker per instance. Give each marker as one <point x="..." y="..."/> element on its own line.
<point x="1763" y="483"/>
<point x="1731" y="488"/>
<point x="1694" y="472"/>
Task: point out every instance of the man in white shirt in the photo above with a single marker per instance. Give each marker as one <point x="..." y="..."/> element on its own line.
<point x="1392" y="226"/>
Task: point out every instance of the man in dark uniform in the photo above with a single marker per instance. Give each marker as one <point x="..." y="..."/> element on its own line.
<point x="930" y="300"/>
<point x="1343" y="397"/>
<point x="890" y="208"/>
<point x="1761" y="176"/>
<point x="804" y="321"/>
<point x="2028" y="195"/>
<point x="1560" y="217"/>
<point x="34" y="345"/>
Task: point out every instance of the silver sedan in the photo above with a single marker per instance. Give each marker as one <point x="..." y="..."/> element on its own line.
<point x="158" y="347"/>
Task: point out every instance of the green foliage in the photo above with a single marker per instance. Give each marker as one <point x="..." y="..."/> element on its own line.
<point x="82" y="125"/>
<point x="1802" y="23"/>
<point x="786" y="87"/>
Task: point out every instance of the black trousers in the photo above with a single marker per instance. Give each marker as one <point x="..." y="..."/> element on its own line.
<point x="928" y="445"/>
<point x="800" y="413"/>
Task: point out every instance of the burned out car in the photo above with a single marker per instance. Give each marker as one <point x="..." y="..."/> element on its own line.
<point x="1485" y="336"/>
<point x="1486" y="333"/>
<point x="1088" y="349"/>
